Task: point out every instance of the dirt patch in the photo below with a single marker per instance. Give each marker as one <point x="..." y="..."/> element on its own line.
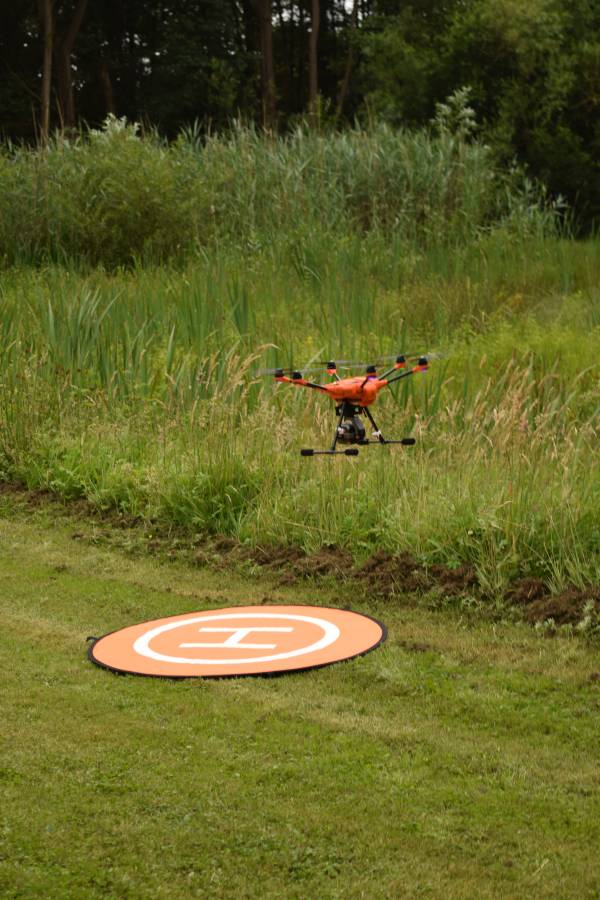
<point x="289" y="563"/>
<point x="292" y="564"/>
<point x="223" y="544"/>
<point x="386" y="573"/>
<point x="453" y="581"/>
<point x="526" y="591"/>
<point x="566" y="608"/>
<point x="328" y="561"/>
<point x="32" y="498"/>
<point x="539" y="604"/>
<point x="8" y="488"/>
<point x="273" y="558"/>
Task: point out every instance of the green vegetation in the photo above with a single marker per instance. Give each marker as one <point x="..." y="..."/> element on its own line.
<point x="143" y="286"/>
<point x="136" y="392"/>
<point x="110" y="197"/>
<point x="135" y="388"/>
<point x="460" y="759"/>
<point x="532" y="69"/>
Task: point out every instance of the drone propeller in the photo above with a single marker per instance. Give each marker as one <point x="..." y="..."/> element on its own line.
<point x="396" y="357"/>
<point x="332" y="366"/>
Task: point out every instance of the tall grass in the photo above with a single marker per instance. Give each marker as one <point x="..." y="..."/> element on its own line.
<point x="111" y="197"/>
<point x="137" y="391"/>
<point x="132" y="383"/>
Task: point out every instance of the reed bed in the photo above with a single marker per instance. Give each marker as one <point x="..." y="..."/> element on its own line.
<point x="112" y="197"/>
<point x="145" y="284"/>
<point x="138" y="391"/>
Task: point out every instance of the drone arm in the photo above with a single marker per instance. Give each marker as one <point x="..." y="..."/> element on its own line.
<point x="395" y="367"/>
<point x="301" y="382"/>
<point x="420" y="367"/>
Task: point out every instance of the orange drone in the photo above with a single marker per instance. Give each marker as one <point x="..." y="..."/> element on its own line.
<point x="352" y="397"/>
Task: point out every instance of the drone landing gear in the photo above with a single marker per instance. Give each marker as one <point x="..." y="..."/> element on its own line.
<point x="351" y="451"/>
<point x="407" y="442"/>
<point x="350" y="430"/>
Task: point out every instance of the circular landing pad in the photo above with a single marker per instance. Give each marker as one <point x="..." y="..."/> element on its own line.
<point x="242" y="640"/>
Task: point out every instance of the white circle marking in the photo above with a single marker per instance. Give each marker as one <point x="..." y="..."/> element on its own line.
<point x="142" y="644"/>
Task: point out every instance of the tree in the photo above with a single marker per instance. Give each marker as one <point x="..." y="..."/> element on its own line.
<point x="535" y="73"/>
<point x="534" y="69"/>
<point x="269" y="104"/>
<point x="313" y="62"/>
<point x="350" y="58"/>
<point x="73" y="19"/>
<point x="401" y="73"/>
<point x="46" y="17"/>
<point x="21" y="53"/>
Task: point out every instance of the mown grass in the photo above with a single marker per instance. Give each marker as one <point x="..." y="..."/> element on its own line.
<point x="460" y="759"/>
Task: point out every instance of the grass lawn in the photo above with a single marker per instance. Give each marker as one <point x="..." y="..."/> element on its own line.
<point x="461" y="759"/>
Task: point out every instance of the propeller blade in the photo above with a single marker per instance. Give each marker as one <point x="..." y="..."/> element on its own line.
<point x="289" y="370"/>
<point x="348" y="363"/>
<point x="356" y="364"/>
<point x="286" y="371"/>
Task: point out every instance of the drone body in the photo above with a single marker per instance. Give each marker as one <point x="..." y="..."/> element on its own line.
<point x="353" y="396"/>
<point x="360" y="390"/>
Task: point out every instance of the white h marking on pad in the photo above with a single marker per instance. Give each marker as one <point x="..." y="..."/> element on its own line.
<point x="330" y="634"/>
<point x="237" y="636"/>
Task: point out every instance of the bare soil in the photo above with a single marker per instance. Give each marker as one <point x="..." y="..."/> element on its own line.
<point x="539" y="604"/>
<point x="386" y="575"/>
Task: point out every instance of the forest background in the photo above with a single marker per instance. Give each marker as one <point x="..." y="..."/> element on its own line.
<point x="533" y="69"/>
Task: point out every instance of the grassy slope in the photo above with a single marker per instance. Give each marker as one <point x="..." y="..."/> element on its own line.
<point x="148" y="282"/>
<point x="460" y="760"/>
<point x="135" y="391"/>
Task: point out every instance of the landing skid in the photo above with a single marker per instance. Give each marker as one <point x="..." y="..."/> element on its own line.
<point x="407" y="442"/>
<point x="353" y="451"/>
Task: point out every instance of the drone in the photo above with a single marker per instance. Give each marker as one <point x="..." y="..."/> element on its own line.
<point x="352" y="397"/>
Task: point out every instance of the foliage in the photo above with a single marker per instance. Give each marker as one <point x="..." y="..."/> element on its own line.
<point x="534" y="71"/>
<point x="111" y="195"/>
<point x="135" y="390"/>
<point x="534" y="74"/>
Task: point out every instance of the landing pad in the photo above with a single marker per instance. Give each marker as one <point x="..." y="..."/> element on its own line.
<point x="239" y="640"/>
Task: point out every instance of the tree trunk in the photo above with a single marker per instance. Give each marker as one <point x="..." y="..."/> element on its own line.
<point x="313" y="63"/>
<point x="107" y="88"/>
<point x="263" y="10"/>
<point x="349" y="63"/>
<point x="286" y="54"/>
<point x="45" y="7"/>
<point x="66" y="97"/>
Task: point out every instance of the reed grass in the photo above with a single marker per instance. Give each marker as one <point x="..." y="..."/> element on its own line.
<point x="137" y="390"/>
<point x="112" y="196"/>
<point x="145" y="284"/>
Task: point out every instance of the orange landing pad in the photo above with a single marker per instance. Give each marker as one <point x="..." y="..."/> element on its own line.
<point x="240" y="640"/>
